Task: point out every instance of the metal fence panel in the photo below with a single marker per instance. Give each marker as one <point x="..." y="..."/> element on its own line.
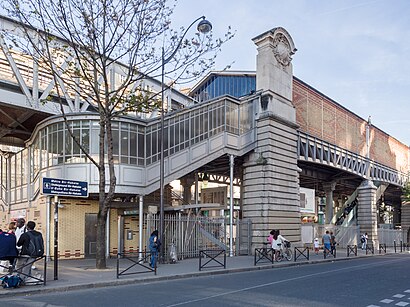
<point x="388" y="236"/>
<point x="190" y="233"/>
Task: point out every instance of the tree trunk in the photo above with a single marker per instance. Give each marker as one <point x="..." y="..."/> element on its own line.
<point x="102" y="213"/>
<point x="101" y="240"/>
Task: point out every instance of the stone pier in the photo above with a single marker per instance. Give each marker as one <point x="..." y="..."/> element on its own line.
<point x="270" y="175"/>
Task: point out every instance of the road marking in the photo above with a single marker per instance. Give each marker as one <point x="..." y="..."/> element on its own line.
<point x="399" y="295"/>
<point x="373" y="306"/>
<point x="402" y="304"/>
<point x="386" y="301"/>
<point x="358" y="267"/>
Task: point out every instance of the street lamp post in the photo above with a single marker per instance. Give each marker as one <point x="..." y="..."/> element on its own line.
<point x="204" y="26"/>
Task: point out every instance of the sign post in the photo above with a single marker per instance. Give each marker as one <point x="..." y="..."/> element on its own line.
<point x="61" y="187"/>
<point x="56" y="237"/>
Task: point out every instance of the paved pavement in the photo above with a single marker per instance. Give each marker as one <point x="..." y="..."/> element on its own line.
<point x="81" y="273"/>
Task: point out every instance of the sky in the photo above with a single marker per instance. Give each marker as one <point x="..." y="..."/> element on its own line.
<point x="356" y="52"/>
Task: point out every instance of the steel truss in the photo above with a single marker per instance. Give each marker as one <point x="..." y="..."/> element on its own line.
<point x="315" y="150"/>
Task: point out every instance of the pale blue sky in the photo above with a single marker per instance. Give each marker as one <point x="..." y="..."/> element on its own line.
<point x="355" y="52"/>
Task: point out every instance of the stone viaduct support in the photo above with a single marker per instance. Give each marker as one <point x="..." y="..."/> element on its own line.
<point x="270" y="175"/>
<point x="367" y="211"/>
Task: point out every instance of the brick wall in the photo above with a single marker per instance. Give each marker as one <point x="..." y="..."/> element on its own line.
<point x="319" y="116"/>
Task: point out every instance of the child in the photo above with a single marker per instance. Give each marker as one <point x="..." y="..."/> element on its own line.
<point x="316" y="245"/>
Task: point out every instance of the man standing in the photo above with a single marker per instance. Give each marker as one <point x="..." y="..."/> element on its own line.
<point x="28" y="252"/>
<point x="21" y="228"/>
<point x="326" y="239"/>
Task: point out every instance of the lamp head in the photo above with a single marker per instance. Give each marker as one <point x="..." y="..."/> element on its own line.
<point x="205" y="178"/>
<point x="204" y="26"/>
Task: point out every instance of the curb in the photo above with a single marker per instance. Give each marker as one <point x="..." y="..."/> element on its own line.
<point x="120" y="282"/>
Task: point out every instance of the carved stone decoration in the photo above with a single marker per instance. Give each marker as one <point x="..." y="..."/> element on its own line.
<point x="282" y="49"/>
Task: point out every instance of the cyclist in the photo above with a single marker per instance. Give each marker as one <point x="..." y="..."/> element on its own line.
<point x="270" y="237"/>
<point x="277" y="243"/>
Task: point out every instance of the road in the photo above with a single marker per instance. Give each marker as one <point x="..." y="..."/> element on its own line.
<point x="373" y="281"/>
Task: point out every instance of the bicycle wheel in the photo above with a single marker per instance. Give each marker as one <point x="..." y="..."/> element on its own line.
<point x="288" y="255"/>
<point x="279" y="257"/>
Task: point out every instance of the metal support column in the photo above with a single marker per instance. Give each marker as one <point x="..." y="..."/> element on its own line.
<point x="140" y="226"/>
<point x="231" y="166"/>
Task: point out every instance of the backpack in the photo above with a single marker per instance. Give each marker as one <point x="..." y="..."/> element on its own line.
<point x="11" y="281"/>
<point x="36" y="245"/>
<point x="362" y="239"/>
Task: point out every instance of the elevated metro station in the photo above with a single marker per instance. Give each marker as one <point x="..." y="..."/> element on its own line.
<point x="279" y="151"/>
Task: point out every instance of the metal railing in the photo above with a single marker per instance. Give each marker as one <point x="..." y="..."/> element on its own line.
<point x="351" y="249"/>
<point x="264" y="254"/>
<point x="299" y="252"/>
<point x="29" y="279"/>
<point x="369" y="249"/>
<point x="135" y="261"/>
<point x="211" y="256"/>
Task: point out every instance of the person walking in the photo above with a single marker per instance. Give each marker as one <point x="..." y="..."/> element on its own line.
<point x="332" y="243"/>
<point x="316" y="246"/>
<point x="28" y="255"/>
<point x="154" y="245"/>
<point x="363" y="240"/>
<point x="326" y="239"/>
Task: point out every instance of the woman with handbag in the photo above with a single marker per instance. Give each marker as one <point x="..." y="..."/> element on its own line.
<point x="154" y="245"/>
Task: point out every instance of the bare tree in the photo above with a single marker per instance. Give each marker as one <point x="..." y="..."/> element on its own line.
<point x="80" y="43"/>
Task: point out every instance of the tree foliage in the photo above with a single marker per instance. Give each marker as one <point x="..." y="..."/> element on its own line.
<point x="101" y="52"/>
<point x="406" y="192"/>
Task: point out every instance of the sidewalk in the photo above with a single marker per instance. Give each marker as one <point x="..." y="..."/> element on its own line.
<point x="81" y="274"/>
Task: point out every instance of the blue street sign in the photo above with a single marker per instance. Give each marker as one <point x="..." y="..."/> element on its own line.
<point x="65" y="187"/>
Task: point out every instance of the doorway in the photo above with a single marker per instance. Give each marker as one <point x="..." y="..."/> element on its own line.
<point x="90" y="240"/>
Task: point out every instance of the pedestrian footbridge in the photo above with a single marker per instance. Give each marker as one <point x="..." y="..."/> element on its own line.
<point x="193" y="137"/>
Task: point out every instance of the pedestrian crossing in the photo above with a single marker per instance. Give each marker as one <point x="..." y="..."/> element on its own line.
<point x="399" y="299"/>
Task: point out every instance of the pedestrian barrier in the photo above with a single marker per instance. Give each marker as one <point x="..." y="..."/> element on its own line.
<point x="369" y="248"/>
<point x="351" y="249"/>
<point x="299" y="252"/>
<point x="328" y="252"/>
<point x="212" y="254"/>
<point x="29" y="279"/>
<point x="403" y="246"/>
<point x="382" y="247"/>
<point x="135" y="261"/>
<point x="264" y="254"/>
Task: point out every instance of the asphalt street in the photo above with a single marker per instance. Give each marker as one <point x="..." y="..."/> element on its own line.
<point x="373" y="281"/>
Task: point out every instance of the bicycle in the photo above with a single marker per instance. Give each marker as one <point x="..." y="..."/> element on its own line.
<point x="285" y="253"/>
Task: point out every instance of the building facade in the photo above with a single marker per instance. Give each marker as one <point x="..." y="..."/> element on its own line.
<point x="242" y="125"/>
